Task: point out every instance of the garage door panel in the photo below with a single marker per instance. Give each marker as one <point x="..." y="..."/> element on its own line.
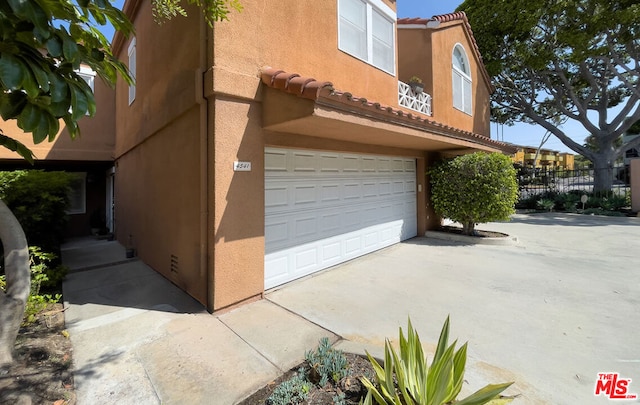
<point x="276" y="195"/>
<point x="323" y="208"/>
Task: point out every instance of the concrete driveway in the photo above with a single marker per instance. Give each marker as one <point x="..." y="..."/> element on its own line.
<point x="549" y="313"/>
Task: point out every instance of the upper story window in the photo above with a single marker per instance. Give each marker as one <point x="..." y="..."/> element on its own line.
<point x="461" y="80"/>
<point x="132" y="69"/>
<point x="366" y="31"/>
<point x="88" y="75"/>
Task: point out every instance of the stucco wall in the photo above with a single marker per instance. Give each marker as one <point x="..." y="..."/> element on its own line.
<point x="295" y="36"/>
<point x="238" y="208"/>
<point x="158" y="154"/>
<point x="414" y="56"/>
<point x="97" y="138"/>
<point x="443" y="40"/>
<point x="157" y="195"/>
<point x="166" y="76"/>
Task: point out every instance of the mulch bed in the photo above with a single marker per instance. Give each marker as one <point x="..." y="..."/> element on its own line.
<point x="478" y="233"/>
<point x="41" y="373"/>
<point x="350" y="386"/>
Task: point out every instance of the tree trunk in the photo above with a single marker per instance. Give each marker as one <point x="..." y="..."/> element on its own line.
<point x="469" y="228"/>
<point x="16" y="267"/>
<point x="602" y="173"/>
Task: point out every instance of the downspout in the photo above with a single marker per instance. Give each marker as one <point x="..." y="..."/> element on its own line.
<point x="204" y="160"/>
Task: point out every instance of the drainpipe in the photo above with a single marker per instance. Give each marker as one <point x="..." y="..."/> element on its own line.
<point x="204" y="161"/>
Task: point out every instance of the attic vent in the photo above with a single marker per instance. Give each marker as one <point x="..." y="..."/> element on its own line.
<point x="174" y="263"/>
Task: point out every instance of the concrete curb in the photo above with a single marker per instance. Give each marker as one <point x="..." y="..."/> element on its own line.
<point x="507" y="240"/>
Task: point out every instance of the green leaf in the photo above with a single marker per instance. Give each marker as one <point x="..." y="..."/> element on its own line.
<point x="59" y="88"/>
<point x="443" y="341"/>
<point x="71" y="126"/>
<point x="18" y="147"/>
<point x="54" y="46"/>
<point x="29" y="118"/>
<point x="41" y="131"/>
<point x="11" y="104"/>
<point x="79" y="102"/>
<point x="484" y="395"/>
<point x="69" y="46"/>
<point x="12" y="72"/>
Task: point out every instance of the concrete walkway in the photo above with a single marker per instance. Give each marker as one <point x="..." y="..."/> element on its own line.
<point x="548" y="313"/>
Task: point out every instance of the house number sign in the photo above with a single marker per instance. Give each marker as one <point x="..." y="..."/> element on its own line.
<point x="241" y="166"/>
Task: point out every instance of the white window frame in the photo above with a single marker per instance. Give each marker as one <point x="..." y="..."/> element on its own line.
<point x="131" y="52"/>
<point x="387" y="13"/>
<point x="88" y="75"/>
<point x="463" y="80"/>
<point x="78" y="187"/>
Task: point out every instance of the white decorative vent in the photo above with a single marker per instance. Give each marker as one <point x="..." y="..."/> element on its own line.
<point x="416" y="102"/>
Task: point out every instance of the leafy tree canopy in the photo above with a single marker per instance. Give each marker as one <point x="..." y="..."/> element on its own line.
<point x="43" y="44"/>
<point x="212" y="10"/>
<point x="552" y="60"/>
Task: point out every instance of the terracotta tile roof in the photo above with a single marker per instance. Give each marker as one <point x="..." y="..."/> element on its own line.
<point x="324" y="91"/>
<point x="444" y="18"/>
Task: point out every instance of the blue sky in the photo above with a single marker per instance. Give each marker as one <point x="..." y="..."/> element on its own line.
<point x="522" y="134"/>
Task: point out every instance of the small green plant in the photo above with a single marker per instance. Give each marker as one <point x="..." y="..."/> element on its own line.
<point x="326" y="363"/>
<point x="407" y="379"/>
<point x="545" y="204"/>
<point x="567" y="202"/>
<point x="415" y="79"/>
<point x="36" y="301"/>
<point x="339" y="399"/>
<point x="291" y="392"/>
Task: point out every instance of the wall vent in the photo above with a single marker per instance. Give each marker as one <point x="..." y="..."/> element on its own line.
<point x="174" y="264"/>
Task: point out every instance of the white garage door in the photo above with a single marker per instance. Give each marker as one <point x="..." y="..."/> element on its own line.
<point x="324" y="208"/>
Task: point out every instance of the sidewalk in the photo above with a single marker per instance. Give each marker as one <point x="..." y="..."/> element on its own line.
<point x="138" y="339"/>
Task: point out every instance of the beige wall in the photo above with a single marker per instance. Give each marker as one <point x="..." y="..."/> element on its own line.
<point x="427" y="53"/>
<point x="297" y="36"/>
<point x="157" y="195"/>
<point x="96" y="141"/>
<point x="158" y="150"/>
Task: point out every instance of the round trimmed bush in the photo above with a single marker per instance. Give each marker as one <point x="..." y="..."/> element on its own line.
<point x="475" y="188"/>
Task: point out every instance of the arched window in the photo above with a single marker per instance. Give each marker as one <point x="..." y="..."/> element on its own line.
<point x="461" y="80"/>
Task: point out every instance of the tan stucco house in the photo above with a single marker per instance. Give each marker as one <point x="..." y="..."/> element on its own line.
<point x="286" y="140"/>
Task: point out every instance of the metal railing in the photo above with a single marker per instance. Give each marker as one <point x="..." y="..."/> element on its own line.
<point x="420" y="102"/>
<point x="541" y="180"/>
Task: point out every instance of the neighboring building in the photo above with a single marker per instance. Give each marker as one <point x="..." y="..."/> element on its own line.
<point x="286" y="140"/>
<point x="546" y="158"/>
<point x="630" y="153"/>
<point x="90" y="156"/>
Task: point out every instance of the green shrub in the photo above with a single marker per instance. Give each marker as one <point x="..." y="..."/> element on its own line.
<point x="36" y="301"/>
<point x="322" y="366"/>
<point x="474" y="188"/>
<point x="545" y="204"/>
<point x="326" y="363"/>
<point x="567" y="202"/>
<point x="291" y="392"/>
<point x="39" y="200"/>
<point x="406" y="378"/>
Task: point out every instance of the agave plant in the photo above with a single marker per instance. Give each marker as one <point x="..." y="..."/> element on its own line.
<point x="417" y="383"/>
